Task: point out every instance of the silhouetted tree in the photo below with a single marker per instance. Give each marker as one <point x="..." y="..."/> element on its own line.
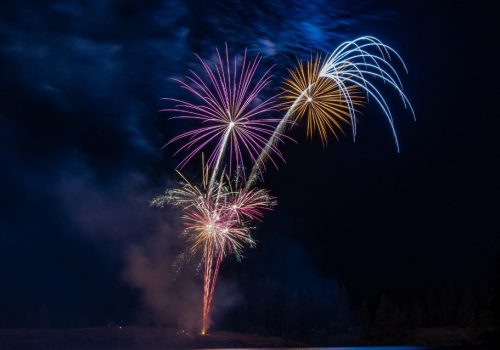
<point x="416" y="313"/>
<point x="364" y="317"/>
<point x="466" y="315"/>
<point x="494" y="304"/>
<point x="386" y="317"/>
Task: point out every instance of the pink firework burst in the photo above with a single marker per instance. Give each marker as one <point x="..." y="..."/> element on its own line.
<point x="217" y="221"/>
<point x="232" y="117"/>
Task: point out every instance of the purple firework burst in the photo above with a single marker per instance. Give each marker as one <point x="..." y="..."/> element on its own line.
<point x="231" y="114"/>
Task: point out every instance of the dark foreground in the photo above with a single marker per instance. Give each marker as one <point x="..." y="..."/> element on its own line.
<point x="135" y="338"/>
<point x="130" y="338"/>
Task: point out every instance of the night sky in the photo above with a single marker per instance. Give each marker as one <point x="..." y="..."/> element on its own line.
<point x="81" y="141"/>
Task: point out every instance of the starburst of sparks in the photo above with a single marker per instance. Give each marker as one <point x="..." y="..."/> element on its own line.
<point x="318" y="100"/>
<point x="230" y="112"/>
<point x="217" y="221"/>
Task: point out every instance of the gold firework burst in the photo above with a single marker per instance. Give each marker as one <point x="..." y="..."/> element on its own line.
<point x="323" y="102"/>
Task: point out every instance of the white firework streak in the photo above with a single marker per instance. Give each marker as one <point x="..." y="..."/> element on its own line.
<point x="352" y="63"/>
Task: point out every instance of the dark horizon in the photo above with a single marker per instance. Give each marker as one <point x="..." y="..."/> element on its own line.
<point x="82" y="156"/>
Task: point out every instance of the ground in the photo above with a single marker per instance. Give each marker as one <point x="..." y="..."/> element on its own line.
<point x="125" y="338"/>
<point x="149" y="338"/>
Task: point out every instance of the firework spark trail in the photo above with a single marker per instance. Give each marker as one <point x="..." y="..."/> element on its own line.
<point x="230" y="112"/>
<point x="217" y="222"/>
<point x="353" y="63"/>
<point x="210" y="279"/>
<point x="351" y="67"/>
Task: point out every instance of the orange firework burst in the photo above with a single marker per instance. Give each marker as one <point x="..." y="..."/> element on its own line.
<point x="325" y="105"/>
<point x="328" y="91"/>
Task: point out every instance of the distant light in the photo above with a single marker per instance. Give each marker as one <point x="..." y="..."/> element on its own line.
<point x="309" y="99"/>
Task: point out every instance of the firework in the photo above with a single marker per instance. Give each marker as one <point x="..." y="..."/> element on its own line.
<point x="327" y="91"/>
<point x="217" y="222"/>
<point x="318" y="99"/>
<point x="229" y="110"/>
